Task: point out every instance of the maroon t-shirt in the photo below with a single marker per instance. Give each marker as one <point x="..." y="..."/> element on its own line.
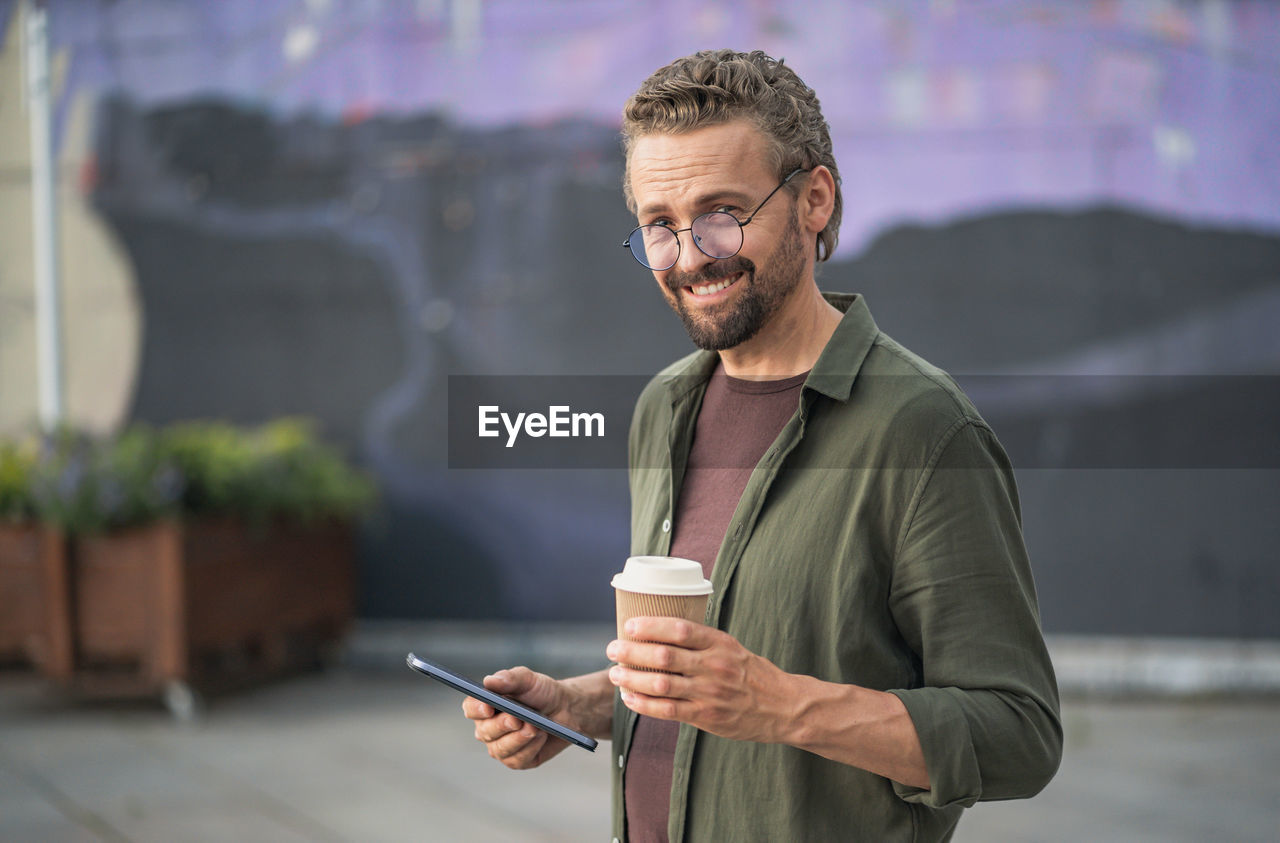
<point x="738" y="422"/>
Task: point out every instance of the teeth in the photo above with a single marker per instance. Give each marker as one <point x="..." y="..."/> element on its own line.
<point x="708" y="289"/>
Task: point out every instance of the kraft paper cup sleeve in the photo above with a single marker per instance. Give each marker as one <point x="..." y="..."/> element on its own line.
<point x="631" y="605"/>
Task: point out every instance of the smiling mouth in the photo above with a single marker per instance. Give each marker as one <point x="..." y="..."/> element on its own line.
<point x="714" y="287"/>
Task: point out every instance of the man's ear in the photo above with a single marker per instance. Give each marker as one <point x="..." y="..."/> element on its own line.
<point x="817" y="199"/>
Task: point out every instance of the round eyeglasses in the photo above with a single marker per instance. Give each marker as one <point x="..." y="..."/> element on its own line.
<point x="717" y="234"/>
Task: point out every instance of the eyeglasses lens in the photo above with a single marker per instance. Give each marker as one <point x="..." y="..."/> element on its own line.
<point x="656" y="247"/>
<point x="717" y="235"/>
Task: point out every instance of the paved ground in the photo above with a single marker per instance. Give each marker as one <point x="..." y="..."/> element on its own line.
<point x="363" y="755"/>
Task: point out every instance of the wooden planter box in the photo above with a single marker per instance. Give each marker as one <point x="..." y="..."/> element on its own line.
<point x="182" y="608"/>
<point x="33" y="599"/>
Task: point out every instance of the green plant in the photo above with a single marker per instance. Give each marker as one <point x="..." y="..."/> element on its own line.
<point x="85" y="484"/>
<point x="17" y="460"/>
<point x="279" y="470"/>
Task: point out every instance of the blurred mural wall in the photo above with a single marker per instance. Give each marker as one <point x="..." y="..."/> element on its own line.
<point x="328" y="208"/>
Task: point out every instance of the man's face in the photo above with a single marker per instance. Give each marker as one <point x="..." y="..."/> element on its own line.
<point x="674" y="178"/>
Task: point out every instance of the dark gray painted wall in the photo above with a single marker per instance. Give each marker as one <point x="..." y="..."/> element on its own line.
<point x="344" y="272"/>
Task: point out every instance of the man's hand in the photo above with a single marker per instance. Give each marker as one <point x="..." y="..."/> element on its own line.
<point x="717" y="685"/>
<point x="583" y="703"/>
<point x="713" y="683"/>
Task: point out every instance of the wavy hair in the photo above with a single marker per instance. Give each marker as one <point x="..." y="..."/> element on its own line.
<point x="712" y="87"/>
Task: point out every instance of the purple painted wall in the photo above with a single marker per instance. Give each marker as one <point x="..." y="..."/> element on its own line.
<point x="938" y="109"/>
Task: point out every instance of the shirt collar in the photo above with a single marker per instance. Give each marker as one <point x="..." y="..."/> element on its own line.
<point x="833" y="373"/>
<point x="838" y="365"/>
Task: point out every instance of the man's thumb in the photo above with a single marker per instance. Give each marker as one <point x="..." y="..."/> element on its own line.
<point x="513" y="681"/>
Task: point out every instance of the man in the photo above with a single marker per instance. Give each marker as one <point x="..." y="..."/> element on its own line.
<point x="871" y="661"/>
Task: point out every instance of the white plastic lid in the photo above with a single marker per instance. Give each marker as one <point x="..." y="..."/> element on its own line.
<point x="662" y="575"/>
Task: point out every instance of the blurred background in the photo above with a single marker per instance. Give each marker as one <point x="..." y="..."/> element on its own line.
<point x="327" y="209"/>
<point x="271" y="208"/>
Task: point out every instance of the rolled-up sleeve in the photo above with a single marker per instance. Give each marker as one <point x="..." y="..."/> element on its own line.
<point x="986" y="707"/>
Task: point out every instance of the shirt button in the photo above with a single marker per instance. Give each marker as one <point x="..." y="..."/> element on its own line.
<point x="619" y="762"/>
<point x="666" y="525"/>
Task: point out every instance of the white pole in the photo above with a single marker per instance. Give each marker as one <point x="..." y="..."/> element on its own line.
<point x="465" y="24"/>
<point x="44" y="217"/>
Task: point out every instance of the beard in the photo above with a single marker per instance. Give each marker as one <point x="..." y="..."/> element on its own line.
<point x="761" y="295"/>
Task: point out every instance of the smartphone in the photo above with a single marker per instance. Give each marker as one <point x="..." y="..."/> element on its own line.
<point x="501" y="703"/>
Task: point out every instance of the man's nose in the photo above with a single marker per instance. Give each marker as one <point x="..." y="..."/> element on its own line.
<point x="691" y="258"/>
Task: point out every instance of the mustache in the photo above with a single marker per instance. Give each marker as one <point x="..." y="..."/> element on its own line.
<point x="710" y="273"/>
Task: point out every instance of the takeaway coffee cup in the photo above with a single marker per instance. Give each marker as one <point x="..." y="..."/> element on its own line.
<point x="662" y="586"/>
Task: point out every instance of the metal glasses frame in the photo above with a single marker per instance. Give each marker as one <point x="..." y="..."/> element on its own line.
<point x="676" y="232"/>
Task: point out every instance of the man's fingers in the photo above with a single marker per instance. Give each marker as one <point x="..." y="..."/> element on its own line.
<point x="526" y="756"/>
<point x="650" y="683"/>
<point x="533" y="689"/>
<point x="493" y="728"/>
<point x="474" y="709"/>
<point x="677" y="631"/>
<point x="516" y="749"/>
<point x="513" y="681"/>
<point x="509" y="743"/>
<point x="659" y="708"/>
<point x="654" y="656"/>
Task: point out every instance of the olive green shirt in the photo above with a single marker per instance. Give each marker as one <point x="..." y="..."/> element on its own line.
<point x="878" y="543"/>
